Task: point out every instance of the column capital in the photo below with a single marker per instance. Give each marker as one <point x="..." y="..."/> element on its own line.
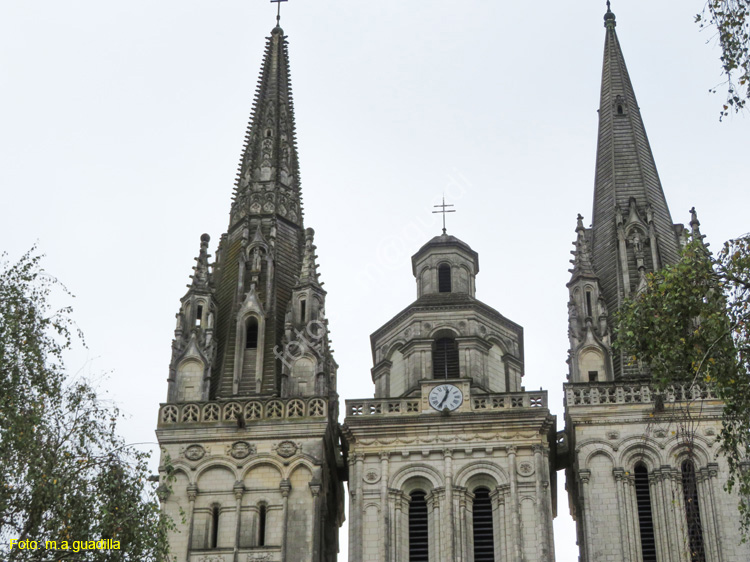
<point x="538" y="448"/>
<point x="192" y="492"/>
<point x="584" y="475"/>
<point x="384" y="455"/>
<point x="511" y="449"/>
<point x="238" y="489"/>
<point x="285" y="488"/>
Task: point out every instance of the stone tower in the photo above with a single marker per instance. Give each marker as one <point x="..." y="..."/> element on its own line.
<point x="250" y="422"/>
<point x="452" y="458"/>
<point x="635" y="492"/>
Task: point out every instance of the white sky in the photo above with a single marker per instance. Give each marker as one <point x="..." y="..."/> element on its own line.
<point x="121" y="125"/>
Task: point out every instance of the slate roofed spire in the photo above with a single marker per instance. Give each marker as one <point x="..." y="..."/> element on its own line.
<point x="268" y="180"/>
<point x="632" y="228"/>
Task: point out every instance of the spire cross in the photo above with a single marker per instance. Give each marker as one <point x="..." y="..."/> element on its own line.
<point x="278" y="9"/>
<point x="443" y="211"/>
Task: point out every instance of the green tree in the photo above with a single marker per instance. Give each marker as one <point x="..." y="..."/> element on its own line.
<point x="692" y="326"/>
<point x="731" y="20"/>
<point x="65" y="475"/>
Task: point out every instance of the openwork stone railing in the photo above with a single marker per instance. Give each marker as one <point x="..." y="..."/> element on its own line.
<point x="251" y="410"/>
<point x="413" y="406"/>
<point x="585" y="394"/>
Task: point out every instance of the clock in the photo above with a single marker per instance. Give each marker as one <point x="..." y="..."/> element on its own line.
<point x="446" y="396"/>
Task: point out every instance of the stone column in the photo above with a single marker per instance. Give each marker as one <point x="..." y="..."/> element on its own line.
<point x="352" y="505"/>
<point x="239" y="489"/>
<point x="465" y="535"/>
<point x="285" y="488"/>
<point x="398" y="526"/>
<point x="514" y="506"/>
<point x="385" y="511"/>
<point x="584" y="477"/>
<point x="358" y="544"/>
<point x="192" y="493"/>
<point x="315" y="527"/>
<point x="712" y="506"/>
<point x="633" y="522"/>
<point x="448" y="526"/>
<point x="623" y="512"/>
<point x="540" y="501"/>
<point x="499" y="526"/>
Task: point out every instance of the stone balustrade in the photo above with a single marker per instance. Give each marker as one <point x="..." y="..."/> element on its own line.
<point x="251" y="410"/>
<point x="413" y="406"/>
<point x="622" y="392"/>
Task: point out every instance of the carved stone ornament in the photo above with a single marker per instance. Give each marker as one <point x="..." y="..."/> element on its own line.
<point x="525" y="469"/>
<point x="371" y="476"/>
<point x="213" y="558"/>
<point x="241" y="449"/>
<point x="660" y="433"/>
<point x="286" y="449"/>
<point x="613" y="435"/>
<point x="266" y="556"/>
<point x="194" y="452"/>
<point x="710" y="431"/>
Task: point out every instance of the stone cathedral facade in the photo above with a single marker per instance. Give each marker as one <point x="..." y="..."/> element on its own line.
<point x="451" y="459"/>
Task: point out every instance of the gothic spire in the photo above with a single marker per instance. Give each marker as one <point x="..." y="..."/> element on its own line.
<point x="628" y="197"/>
<point x="268" y="178"/>
<point x="201" y="273"/>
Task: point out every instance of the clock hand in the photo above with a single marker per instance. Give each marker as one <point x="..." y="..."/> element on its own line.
<point x="444" y="398"/>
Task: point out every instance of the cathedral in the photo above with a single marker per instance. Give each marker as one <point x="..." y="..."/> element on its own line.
<point x="451" y="458"/>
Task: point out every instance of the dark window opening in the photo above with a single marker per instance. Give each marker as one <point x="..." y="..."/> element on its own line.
<point x="303" y="310"/>
<point x="418" y="529"/>
<point x="214" y="538"/>
<point x="588" y="303"/>
<point x="251" y="336"/>
<point x="268" y="133"/>
<point x="484" y="543"/>
<point x="619" y="110"/>
<point x="444" y="278"/>
<point x="198" y="315"/>
<point x="645" y="518"/>
<point x="593" y="376"/>
<point x="692" y="513"/>
<point x="445" y="359"/>
<point x="262" y="526"/>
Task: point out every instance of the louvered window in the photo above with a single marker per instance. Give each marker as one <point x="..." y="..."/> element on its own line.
<point x="418" y="532"/>
<point x="484" y="544"/>
<point x="645" y="518"/>
<point x="445" y="359"/>
<point x="692" y="513"/>
<point x="251" y="339"/>
<point x="444" y="278"/>
<point x="262" y="525"/>
<point x="213" y="541"/>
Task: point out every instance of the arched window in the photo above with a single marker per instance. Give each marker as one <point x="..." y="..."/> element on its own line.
<point x="303" y="310"/>
<point x="645" y="518"/>
<point x="445" y="359"/>
<point x="213" y="537"/>
<point x="484" y="543"/>
<point x="444" y="278"/>
<point x="251" y="334"/>
<point x="198" y="315"/>
<point x="418" y="530"/>
<point x="262" y="524"/>
<point x="692" y="513"/>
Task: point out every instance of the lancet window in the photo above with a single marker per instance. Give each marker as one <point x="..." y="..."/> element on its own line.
<point x="445" y="359"/>
<point x="418" y="528"/>
<point x="645" y="516"/>
<point x="444" y="278"/>
<point x="484" y="543"/>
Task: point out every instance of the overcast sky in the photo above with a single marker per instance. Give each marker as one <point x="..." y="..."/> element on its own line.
<point x="121" y="125"/>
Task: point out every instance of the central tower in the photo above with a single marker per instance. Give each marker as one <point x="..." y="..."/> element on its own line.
<point x="452" y="459"/>
<point x="250" y="422"/>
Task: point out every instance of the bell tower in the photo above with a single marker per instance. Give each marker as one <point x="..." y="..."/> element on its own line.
<point x="451" y="459"/>
<point x="249" y="435"/>
<point x="639" y="490"/>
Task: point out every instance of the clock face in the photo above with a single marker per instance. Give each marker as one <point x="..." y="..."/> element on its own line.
<point x="446" y="396"/>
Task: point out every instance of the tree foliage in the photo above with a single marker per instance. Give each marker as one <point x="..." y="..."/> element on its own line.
<point x="65" y="475"/>
<point x="692" y="326"/>
<point x="731" y="20"/>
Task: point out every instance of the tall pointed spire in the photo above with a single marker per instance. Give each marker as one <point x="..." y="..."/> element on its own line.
<point x="268" y="179"/>
<point x="632" y="226"/>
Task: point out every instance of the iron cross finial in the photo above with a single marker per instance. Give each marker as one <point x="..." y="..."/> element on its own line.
<point x="443" y="211"/>
<point x="278" y="10"/>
